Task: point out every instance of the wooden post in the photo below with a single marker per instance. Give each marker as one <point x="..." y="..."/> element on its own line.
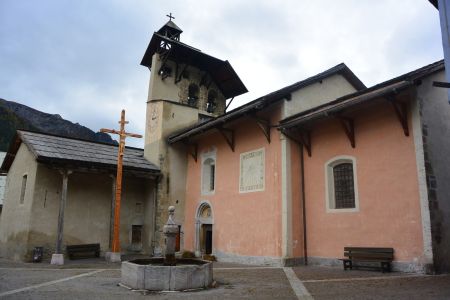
<point x="122" y="135"/>
<point x="58" y="258"/>
<point x="111" y="219"/>
<point x="62" y="208"/>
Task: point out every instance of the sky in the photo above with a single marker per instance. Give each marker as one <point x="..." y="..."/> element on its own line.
<point x="81" y="58"/>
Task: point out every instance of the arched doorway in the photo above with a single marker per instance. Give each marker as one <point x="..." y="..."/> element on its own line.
<point x="203" y="230"/>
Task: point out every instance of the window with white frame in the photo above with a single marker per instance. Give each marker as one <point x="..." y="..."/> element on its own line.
<point x="341" y="184"/>
<point x="208" y="173"/>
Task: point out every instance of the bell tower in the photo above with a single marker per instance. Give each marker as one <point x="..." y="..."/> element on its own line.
<point x="186" y="87"/>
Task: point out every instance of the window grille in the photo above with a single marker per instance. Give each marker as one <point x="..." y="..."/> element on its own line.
<point x="344" y="192"/>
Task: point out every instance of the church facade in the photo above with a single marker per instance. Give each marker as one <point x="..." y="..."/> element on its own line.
<point x="298" y="174"/>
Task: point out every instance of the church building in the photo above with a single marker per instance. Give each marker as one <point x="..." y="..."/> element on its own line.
<point x="297" y="175"/>
<point x="290" y="178"/>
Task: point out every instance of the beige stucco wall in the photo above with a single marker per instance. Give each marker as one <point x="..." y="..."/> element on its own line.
<point x="316" y="94"/>
<point x="88" y="210"/>
<point x="87" y="214"/>
<point x="15" y="220"/>
<point x="164" y="118"/>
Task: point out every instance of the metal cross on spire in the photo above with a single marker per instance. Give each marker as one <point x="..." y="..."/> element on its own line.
<point x="170" y="16"/>
<point x="122" y="135"/>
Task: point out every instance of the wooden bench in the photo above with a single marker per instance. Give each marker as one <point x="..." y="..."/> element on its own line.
<point x="381" y="256"/>
<point x="83" y="251"/>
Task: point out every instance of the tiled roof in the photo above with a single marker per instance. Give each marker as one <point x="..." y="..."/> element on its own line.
<point x="263" y="102"/>
<point x="68" y="151"/>
<point x="393" y="85"/>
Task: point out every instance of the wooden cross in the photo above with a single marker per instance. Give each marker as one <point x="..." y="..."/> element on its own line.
<point x="122" y="135"/>
<point x="170" y="16"/>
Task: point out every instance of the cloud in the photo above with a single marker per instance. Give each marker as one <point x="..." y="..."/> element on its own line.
<point x="80" y="59"/>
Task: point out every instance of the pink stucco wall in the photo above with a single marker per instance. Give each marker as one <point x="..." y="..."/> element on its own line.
<point x="244" y="223"/>
<point x="389" y="208"/>
<point x="250" y="223"/>
<point x="297" y="212"/>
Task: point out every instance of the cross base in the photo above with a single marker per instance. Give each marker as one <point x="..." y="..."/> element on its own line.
<point x="113" y="256"/>
<point x="57" y="259"/>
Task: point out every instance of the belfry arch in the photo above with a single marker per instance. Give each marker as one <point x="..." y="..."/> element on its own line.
<point x="204" y="222"/>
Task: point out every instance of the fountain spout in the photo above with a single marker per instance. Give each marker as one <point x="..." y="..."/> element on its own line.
<point x="170" y="231"/>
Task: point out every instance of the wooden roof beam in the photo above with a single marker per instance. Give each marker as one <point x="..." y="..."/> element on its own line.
<point x="264" y="125"/>
<point x="305" y="137"/>
<point x="348" y="124"/>
<point x="192" y="150"/>
<point x="179" y="72"/>
<point x="228" y="135"/>
<point x="203" y="79"/>
<point x="401" y="110"/>
<point x="302" y="137"/>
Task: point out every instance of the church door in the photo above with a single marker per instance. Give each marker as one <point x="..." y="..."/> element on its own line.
<point x="204" y="228"/>
<point x="207" y="238"/>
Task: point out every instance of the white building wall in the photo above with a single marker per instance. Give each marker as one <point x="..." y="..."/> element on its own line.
<point x="317" y="94"/>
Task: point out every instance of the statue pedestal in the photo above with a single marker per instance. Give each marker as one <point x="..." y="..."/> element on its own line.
<point x="170" y="231"/>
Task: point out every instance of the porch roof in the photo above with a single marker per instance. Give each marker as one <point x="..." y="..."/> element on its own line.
<point x="73" y="153"/>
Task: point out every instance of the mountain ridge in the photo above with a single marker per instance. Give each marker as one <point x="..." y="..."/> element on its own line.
<point x="14" y="115"/>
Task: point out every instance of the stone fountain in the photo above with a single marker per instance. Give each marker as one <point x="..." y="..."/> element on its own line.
<point x="167" y="273"/>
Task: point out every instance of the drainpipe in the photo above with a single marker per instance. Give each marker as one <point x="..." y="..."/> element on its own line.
<point x="302" y="171"/>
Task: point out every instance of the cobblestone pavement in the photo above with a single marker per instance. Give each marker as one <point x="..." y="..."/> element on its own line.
<point x="97" y="279"/>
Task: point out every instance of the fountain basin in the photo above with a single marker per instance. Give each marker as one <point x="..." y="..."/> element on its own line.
<point x="151" y="274"/>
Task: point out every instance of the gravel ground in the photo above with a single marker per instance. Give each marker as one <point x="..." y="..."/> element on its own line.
<point x="97" y="279"/>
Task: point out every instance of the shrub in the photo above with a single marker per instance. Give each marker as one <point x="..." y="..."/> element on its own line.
<point x="188" y="254"/>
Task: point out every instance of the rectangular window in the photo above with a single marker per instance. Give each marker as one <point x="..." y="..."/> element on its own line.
<point x="344" y="193"/>
<point x="208" y="180"/>
<point x="341" y="185"/>
<point x="23" y="189"/>
<point x="136" y="234"/>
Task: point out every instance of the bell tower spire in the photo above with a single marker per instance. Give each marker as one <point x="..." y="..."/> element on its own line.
<point x="170" y="29"/>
